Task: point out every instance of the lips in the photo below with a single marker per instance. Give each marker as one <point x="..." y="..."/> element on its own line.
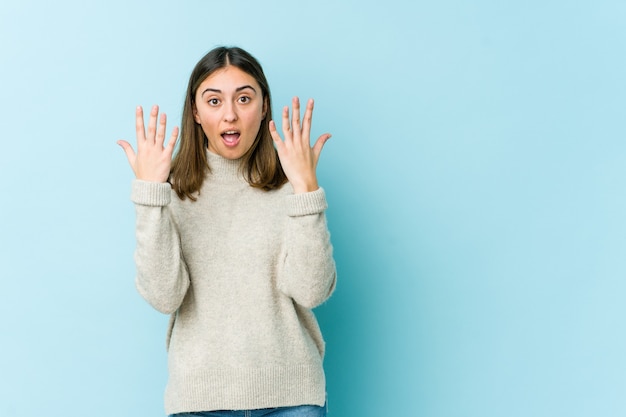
<point x="231" y="137"/>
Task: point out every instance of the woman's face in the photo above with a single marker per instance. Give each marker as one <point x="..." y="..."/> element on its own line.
<point x="229" y="107"/>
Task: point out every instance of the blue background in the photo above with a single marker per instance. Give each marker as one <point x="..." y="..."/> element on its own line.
<point x="476" y="179"/>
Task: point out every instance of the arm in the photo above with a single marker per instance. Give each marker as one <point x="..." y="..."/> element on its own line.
<point x="308" y="273"/>
<point x="162" y="276"/>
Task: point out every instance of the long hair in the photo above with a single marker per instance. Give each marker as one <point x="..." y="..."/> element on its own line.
<point x="260" y="164"/>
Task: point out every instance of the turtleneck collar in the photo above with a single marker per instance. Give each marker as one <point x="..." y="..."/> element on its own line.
<point x="222" y="167"/>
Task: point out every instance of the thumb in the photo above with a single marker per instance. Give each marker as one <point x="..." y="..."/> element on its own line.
<point x="129" y="151"/>
<point x="319" y="144"/>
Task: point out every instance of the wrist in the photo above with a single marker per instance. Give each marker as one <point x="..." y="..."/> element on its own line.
<point x="305" y="187"/>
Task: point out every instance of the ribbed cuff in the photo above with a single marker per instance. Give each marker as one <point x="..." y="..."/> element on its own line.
<point x="151" y="193"/>
<point x="305" y="204"/>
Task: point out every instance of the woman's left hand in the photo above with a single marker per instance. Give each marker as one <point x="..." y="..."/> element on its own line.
<point x="297" y="157"/>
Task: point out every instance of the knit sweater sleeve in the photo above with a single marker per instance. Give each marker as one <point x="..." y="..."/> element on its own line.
<point x="162" y="276"/>
<point x="308" y="274"/>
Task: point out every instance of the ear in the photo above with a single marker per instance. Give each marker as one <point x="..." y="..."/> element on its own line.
<point x="264" y="107"/>
<point x="196" y="118"/>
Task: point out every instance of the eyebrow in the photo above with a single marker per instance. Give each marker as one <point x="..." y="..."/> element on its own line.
<point x="238" y="89"/>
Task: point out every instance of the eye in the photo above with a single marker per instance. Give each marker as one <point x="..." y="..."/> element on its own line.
<point x="244" y="99"/>
<point x="213" y="102"/>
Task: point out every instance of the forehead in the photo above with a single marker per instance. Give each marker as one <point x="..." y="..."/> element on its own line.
<point x="228" y="79"/>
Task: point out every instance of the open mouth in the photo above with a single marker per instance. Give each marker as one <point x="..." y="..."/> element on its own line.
<point x="231" y="137"/>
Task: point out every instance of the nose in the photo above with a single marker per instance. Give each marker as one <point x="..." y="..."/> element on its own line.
<point x="230" y="112"/>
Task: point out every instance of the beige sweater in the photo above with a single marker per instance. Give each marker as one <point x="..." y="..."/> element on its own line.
<point x="239" y="270"/>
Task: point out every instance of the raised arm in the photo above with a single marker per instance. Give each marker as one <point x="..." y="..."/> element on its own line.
<point x="308" y="274"/>
<point x="162" y="277"/>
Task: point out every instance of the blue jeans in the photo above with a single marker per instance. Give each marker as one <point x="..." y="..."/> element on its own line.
<point x="297" y="411"/>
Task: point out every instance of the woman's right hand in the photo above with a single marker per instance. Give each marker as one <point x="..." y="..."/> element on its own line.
<point x="153" y="159"/>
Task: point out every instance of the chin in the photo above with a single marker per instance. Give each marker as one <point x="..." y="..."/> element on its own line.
<point x="231" y="153"/>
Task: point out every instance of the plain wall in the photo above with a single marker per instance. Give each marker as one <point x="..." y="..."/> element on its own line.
<point x="476" y="180"/>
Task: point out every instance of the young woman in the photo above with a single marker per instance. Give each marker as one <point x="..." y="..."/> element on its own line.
<point x="232" y="241"/>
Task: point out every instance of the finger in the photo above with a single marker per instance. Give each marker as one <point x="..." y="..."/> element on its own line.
<point x="276" y="136"/>
<point x="139" y="126"/>
<point x="319" y="144"/>
<point x="160" y="133"/>
<point x="129" y="151"/>
<point x="295" y="116"/>
<point x="286" y="127"/>
<point x="273" y="131"/>
<point x="173" y="139"/>
<point x="154" y="112"/>
<point x="307" y="121"/>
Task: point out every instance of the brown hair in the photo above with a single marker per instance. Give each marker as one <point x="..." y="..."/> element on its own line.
<point x="260" y="165"/>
